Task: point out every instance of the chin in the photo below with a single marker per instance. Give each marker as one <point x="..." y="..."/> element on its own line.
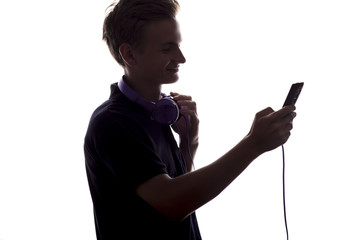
<point x="171" y="79"/>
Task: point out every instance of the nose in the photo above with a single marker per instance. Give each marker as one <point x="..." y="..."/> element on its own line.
<point x="180" y="57"/>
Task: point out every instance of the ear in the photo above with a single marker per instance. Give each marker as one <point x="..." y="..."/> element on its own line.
<point x="127" y="54"/>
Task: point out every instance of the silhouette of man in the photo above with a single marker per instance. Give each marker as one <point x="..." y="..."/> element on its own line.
<point x="141" y="181"/>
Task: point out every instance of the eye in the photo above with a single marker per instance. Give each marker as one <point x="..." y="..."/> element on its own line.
<point x="166" y="50"/>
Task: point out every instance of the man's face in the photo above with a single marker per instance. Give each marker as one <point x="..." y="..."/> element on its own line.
<point x="159" y="58"/>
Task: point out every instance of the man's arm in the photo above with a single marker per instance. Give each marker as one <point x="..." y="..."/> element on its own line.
<point x="188" y="152"/>
<point x="177" y="197"/>
<point x="187" y="127"/>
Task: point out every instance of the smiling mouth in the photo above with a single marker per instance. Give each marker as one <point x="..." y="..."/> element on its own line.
<point x="175" y="69"/>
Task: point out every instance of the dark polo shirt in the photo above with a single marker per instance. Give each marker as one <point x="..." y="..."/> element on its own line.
<point x="124" y="148"/>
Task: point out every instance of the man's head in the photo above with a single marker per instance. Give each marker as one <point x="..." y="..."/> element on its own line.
<point x="128" y="19"/>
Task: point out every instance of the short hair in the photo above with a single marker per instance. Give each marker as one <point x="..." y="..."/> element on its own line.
<point x="127" y="19"/>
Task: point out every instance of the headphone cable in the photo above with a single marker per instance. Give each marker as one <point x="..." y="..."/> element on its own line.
<point x="284" y="202"/>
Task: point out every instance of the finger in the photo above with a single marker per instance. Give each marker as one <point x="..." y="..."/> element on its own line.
<point x="188" y="112"/>
<point x="291" y="116"/>
<point x="264" y="112"/>
<point x="286" y="137"/>
<point x="178" y="97"/>
<point x="282" y="112"/>
<point x="193" y="115"/>
<point x="173" y="94"/>
<point x="286" y="123"/>
<point x="187" y="104"/>
<point x="289" y="126"/>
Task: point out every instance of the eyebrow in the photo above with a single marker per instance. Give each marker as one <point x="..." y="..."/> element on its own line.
<point x="171" y="43"/>
<point x="176" y="42"/>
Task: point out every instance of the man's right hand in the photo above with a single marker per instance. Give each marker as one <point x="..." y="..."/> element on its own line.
<point x="271" y="129"/>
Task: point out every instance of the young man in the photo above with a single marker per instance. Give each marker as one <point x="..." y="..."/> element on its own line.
<point x="141" y="182"/>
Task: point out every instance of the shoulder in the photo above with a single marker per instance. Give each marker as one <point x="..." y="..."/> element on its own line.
<point x="118" y="121"/>
<point x="113" y="117"/>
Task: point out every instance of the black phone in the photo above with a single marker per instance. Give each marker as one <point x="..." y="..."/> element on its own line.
<point x="293" y="94"/>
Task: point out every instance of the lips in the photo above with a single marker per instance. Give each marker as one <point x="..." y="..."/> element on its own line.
<point x="173" y="69"/>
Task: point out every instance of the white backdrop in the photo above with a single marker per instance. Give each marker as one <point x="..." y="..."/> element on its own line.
<point x="242" y="56"/>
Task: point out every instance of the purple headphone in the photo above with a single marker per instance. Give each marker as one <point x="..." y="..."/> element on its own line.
<point x="165" y="111"/>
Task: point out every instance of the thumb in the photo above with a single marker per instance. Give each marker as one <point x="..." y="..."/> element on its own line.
<point x="264" y="112"/>
<point x="283" y="111"/>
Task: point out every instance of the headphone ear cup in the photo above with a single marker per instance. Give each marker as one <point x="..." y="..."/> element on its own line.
<point x="166" y="111"/>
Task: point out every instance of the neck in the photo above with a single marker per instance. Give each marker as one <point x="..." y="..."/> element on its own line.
<point x="144" y="87"/>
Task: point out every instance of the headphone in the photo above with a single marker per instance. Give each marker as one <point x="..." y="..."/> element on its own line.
<point x="165" y="111"/>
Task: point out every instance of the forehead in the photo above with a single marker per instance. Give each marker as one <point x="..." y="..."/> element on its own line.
<point x="162" y="31"/>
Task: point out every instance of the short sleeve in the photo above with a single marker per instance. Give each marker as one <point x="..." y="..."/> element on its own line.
<point x="127" y="151"/>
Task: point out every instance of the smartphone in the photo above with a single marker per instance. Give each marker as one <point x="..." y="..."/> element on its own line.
<point x="293" y="94"/>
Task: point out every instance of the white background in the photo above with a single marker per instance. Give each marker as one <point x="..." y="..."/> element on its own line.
<point x="242" y="56"/>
